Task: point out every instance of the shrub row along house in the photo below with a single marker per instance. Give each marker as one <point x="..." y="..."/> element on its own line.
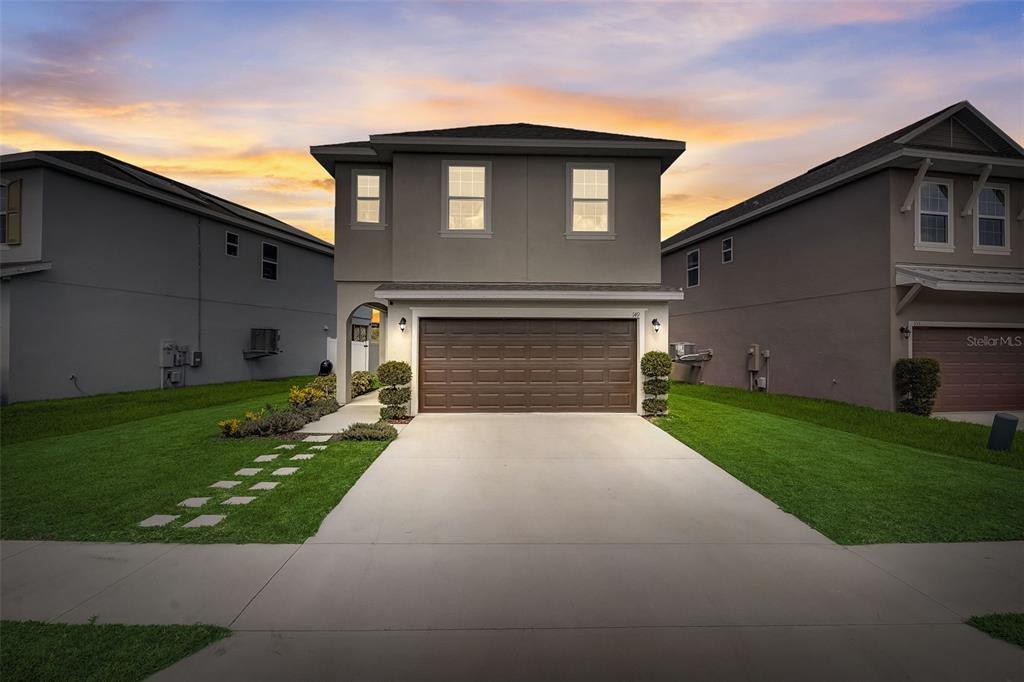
<point x="114" y="278"/>
<point x="911" y="246"/>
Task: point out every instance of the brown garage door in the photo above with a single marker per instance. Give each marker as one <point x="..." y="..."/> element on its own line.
<point x="521" y="365"/>
<point x="982" y="368"/>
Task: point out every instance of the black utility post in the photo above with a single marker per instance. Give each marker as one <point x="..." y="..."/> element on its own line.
<point x="1004" y="426"/>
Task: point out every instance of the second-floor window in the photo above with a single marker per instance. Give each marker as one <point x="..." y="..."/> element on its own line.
<point x="693" y="268"/>
<point x="10" y="213"/>
<point x="230" y="244"/>
<point x="727" y="250"/>
<point x="589" y="208"/>
<point x="467" y="198"/>
<point x="269" y="261"/>
<point x="934" y="224"/>
<point x="368" y="198"/>
<point x="990" y="219"/>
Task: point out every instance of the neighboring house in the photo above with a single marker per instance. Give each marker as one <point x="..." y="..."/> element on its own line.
<point x="515" y="267"/>
<point x="911" y="246"/>
<point x="117" y="279"/>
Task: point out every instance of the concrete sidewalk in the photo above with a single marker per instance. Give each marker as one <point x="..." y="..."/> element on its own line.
<point x="364" y="409"/>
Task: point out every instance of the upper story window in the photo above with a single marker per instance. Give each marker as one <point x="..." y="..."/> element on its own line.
<point x="368" y="199"/>
<point x="467" y="206"/>
<point x="230" y="244"/>
<point x="10" y="212"/>
<point x="693" y="268"/>
<point x="934" y="216"/>
<point x="727" y="250"/>
<point x="590" y="210"/>
<point x="991" y="217"/>
<point x="269" y="261"/>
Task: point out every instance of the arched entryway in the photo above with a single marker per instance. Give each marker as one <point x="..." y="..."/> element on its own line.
<point x="363" y="345"/>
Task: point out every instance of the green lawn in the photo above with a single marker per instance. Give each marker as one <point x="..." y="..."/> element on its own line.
<point x="119" y="653"/>
<point x="1006" y="626"/>
<point x="819" y="465"/>
<point x="98" y="484"/>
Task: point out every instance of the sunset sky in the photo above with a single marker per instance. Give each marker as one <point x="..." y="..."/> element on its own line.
<point x="229" y="96"/>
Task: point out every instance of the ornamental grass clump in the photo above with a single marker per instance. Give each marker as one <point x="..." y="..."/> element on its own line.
<point x="394" y="394"/>
<point x="362" y="431"/>
<point x="656" y="366"/>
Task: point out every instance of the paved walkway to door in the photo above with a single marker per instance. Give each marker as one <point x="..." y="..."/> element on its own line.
<point x="557" y="547"/>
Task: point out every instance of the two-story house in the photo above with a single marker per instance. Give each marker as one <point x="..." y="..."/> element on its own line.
<point x="115" y="278"/>
<point x="515" y="267"/>
<point x="911" y="246"/>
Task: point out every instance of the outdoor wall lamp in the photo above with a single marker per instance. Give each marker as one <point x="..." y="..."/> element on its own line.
<point x="905" y="331"/>
<point x="401" y="325"/>
<point x="656" y="325"/>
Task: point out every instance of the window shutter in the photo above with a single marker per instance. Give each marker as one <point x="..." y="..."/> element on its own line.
<point x="14" y="212"/>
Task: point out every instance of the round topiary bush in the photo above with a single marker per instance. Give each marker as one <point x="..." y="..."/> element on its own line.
<point x="656" y="363"/>
<point x="656" y="386"/>
<point x="394" y="373"/>
<point x="394" y="395"/>
<point x="655" y="406"/>
<point x="656" y="366"/>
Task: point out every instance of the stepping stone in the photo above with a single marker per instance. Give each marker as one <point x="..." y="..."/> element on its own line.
<point x="248" y="472"/>
<point x="317" y="439"/>
<point x="205" y="520"/>
<point x="267" y="458"/>
<point x="306" y="456"/>
<point x="194" y="502"/>
<point x="265" y="485"/>
<point x="157" y="520"/>
<point x="285" y="471"/>
<point x="286" y="447"/>
<point x="225" y="484"/>
<point x="317" y="447"/>
<point x="238" y="500"/>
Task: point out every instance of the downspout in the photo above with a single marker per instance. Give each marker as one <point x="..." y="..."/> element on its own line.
<point x="199" y="285"/>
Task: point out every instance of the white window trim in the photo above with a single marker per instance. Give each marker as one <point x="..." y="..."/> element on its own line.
<point x="732" y="256"/>
<point x="354" y="213"/>
<point x="686" y="265"/>
<point x="276" y="262"/>
<point x="1003" y="250"/>
<point x="582" y="165"/>
<point x="485" y="233"/>
<point x="237" y="244"/>
<point x="950" y="245"/>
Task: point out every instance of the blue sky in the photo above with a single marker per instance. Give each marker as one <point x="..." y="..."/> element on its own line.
<point x="229" y="96"/>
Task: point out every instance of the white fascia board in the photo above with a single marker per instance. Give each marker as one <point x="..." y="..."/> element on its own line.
<point x="977" y="159"/>
<point x="524" y="295"/>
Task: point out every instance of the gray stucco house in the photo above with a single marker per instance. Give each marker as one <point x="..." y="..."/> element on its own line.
<point x="911" y="246"/>
<point x="516" y="267"/>
<point x="114" y="278"/>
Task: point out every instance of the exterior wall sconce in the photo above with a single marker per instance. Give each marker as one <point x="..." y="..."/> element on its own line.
<point x="905" y="331"/>
<point x="401" y="325"/>
<point x="656" y="325"/>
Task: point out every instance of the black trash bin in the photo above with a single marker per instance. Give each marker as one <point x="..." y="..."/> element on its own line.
<point x="1004" y="427"/>
<point x="325" y="368"/>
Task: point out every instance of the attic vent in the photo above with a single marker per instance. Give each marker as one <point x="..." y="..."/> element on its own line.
<point x="262" y="342"/>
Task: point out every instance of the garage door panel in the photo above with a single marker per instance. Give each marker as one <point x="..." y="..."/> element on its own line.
<point x="527" y="365"/>
<point x="981" y="368"/>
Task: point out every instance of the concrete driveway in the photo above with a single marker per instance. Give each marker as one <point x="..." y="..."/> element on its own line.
<point x="585" y="547"/>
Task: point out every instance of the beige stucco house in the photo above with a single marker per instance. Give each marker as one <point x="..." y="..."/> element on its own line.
<point x="515" y="267"/>
<point x="911" y="246"/>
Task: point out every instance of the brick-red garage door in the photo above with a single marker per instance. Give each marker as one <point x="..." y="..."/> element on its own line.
<point x="527" y="365"/>
<point x="982" y="368"/>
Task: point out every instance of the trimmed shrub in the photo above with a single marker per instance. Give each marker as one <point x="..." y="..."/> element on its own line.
<point x="655" y="406"/>
<point x="229" y="427"/>
<point x="306" y="395"/>
<point x="917" y="383"/>
<point x="656" y="363"/>
<point x="362" y="431"/>
<point x="394" y="395"/>
<point x="363" y="382"/>
<point x="656" y="386"/>
<point x="327" y="383"/>
<point x="656" y="366"/>
<point x="281" y="421"/>
<point x="305" y="404"/>
<point x="314" y="411"/>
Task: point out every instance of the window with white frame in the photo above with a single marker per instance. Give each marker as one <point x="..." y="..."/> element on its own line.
<point x="368" y="198"/>
<point x="693" y="268"/>
<point x="269" y="261"/>
<point x="230" y="244"/>
<point x="10" y="213"/>
<point x="467" y="204"/>
<point x="590" y="189"/>
<point x="727" y="250"/>
<point x="991" y="216"/>
<point x="934" y="215"/>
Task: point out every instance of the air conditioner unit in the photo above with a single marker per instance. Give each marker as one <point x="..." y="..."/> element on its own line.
<point x="263" y="342"/>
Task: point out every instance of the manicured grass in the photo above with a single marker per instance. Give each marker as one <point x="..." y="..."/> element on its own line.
<point x="1006" y="626"/>
<point x="39" y="652"/>
<point x="935" y="435"/>
<point x="43" y="418"/>
<point x="99" y="484"/>
<point x="853" y="488"/>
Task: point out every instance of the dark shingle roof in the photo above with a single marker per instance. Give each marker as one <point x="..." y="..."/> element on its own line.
<point x="822" y="173"/>
<point x="522" y="286"/>
<point x="524" y="131"/>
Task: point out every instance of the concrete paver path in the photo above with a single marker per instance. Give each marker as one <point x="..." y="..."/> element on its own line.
<point x="547" y="547"/>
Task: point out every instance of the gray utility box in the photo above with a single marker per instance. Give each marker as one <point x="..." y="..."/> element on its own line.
<point x="1004" y="428"/>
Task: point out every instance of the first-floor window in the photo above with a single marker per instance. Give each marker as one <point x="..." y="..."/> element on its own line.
<point x="933" y="221"/>
<point x="269" y="261"/>
<point x="991" y="217"/>
<point x="230" y="244"/>
<point x="10" y="212"/>
<point x="693" y="268"/>
<point x="727" y="250"/>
